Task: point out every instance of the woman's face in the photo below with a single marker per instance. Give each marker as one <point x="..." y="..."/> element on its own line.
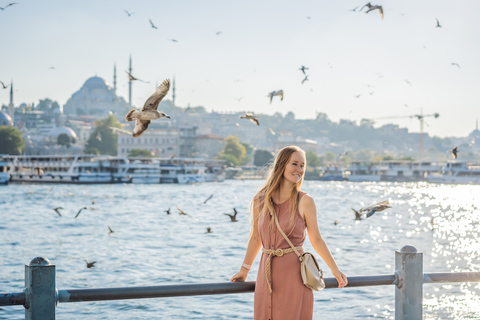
<point x="295" y="168"/>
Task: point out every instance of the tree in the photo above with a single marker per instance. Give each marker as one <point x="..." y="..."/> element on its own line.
<point x="262" y="157"/>
<point x="11" y="140"/>
<point x="65" y="140"/>
<point x="329" y="156"/>
<point x="92" y="151"/>
<point x="139" y="153"/>
<point x="102" y="138"/>
<point x="312" y="159"/>
<point x="233" y="151"/>
<point x="248" y="153"/>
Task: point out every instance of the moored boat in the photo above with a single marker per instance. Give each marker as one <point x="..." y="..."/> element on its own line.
<point x="4" y="175"/>
<point x="457" y="172"/>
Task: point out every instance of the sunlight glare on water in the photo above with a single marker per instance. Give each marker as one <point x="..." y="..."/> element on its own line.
<point x="150" y="247"/>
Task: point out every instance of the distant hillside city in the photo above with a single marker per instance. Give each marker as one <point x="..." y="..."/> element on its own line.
<point x="76" y="128"/>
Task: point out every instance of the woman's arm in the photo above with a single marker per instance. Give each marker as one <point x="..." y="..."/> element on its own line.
<point x="309" y="212"/>
<point x="254" y="245"/>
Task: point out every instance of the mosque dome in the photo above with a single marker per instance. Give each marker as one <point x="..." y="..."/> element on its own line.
<point x="95" y="83"/>
<point x="55" y="132"/>
<point x="5" y="119"/>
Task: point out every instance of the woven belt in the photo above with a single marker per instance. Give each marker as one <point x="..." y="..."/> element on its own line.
<point x="275" y="253"/>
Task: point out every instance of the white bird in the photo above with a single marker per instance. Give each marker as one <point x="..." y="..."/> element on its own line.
<point x="151" y="23"/>
<point x="373" y="7"/>
<point x="438" y="23"/>
<point x="276" y="93"/>
<point x="249" y="116"/>
<point x="149" y="111"/>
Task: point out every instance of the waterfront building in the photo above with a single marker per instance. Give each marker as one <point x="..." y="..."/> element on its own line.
<point x="208" y="145"/>
<point x="160" y="142"/>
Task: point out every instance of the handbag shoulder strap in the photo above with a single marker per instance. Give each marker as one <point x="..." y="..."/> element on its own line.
<point x="283" y="234"/>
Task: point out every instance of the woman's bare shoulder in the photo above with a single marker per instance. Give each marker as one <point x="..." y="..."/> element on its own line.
<point x="306" y="200"/>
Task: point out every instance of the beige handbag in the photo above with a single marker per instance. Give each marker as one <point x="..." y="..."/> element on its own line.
<point x="312" y="275"/>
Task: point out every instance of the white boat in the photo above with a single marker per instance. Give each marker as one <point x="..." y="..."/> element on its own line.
<point x="182" y="171"/>
<point x="214" y="171"/>
<point x="360" y="171"/>
<point x="406" y="171"/>
<point x="84" y="169"/>
<point x="140" y="171"/>
<point x="457" y="173"/>
<point x="4" y="175"/>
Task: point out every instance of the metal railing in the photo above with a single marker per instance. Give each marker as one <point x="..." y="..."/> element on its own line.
<point x="41" y="296"/>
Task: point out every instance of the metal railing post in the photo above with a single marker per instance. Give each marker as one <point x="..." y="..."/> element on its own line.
<point x="409" y="288"/>
<point x="40" y="299"/>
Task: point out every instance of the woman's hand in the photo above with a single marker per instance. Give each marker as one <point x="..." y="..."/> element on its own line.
<point x="341" y="278"/>
<point x="241" y="276"/>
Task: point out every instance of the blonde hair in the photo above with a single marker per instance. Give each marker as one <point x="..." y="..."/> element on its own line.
<point x="274" y="178"/>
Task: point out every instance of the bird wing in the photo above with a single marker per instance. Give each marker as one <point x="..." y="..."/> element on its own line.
<point x="371" y="212"/>
<point x="111" y="231"/>
<point x="255" y="120"/>
<point x="140" y="127"/>
<point x="380" y="9"/>
<point x="383" y="203"/>
<point x="357" y="214"/>
<point x="151" y="22"/>
<point x="78" y="213"/>
<point x="154" y="100"/>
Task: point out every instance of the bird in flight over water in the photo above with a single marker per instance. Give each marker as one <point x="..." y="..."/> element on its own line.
<point x="183" y="213"/>
<point x="438" y="23"/>
<point x="205" y="202"/>
<point x="149" y="111"/>
<point x="233" y="217"/>
<point x="129" y="13"/>
<point x="78" y="213"/>
<point x="90" y="264"/>
<point x="276" y="93"/>
<point x="305" y="79"/>
<point x="251" y="117"/>
<point x="57" y="211"/>
<point x="151" y="23"/>
<point x="303" y="68"/>
<point x="8" y="5"/>
<point x="373" y="7"/>
<point x="455" y="64"/>
<point x="454" y="152"/>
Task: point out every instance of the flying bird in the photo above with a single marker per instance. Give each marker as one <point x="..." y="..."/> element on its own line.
<point x="250" y="117"/>
<point x="110" y="230"/>
<point x="78" y="213"/>
<point x="354" y="9"/>
<point x="303" y="68"/>
<point x="455" y="64"/>
<point x="373" y="7"/>
<point x="8" y="5"/>
<point x="305" y="79"/>
<point x="205" y="202"/>
<point x="90" y="264"/>
<point x="271" y="131"/>
<point x="57" y="211"/>
<point x="129" y="13"/>
<point x="173" y="40"/>
<point x="151" y="23"/>
<point x="438" y="23"/>
<point x="276" y="93"/>
<point x="454" y="152"/>
<point x="132" y="78"/>
<point x="3" y="85"/>
<point x="408" y="82"/>
<point x="183" y="213"/>
<point x="219" y="33"/>
<point x="233" y="217"/>
<point x="167" y="211"/>
<point x="209" y="230"/>
<point x="376" y="208"/>
<point x="149" y="111"/>
<point x="357" y="95"/>
<point x="358" y="215"/>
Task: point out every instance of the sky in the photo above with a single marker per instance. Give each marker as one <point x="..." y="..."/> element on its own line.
<point x="359" y="66"/>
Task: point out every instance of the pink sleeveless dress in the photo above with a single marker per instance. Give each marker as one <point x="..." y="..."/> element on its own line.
<point x="290" y="299"/>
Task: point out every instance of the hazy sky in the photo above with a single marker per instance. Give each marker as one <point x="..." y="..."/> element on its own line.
<point x="400" y="66"/>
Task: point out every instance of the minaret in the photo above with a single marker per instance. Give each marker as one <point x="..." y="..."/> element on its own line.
<point x="11" y="107"/>
<point x="130" y="84"/>
<point x="173" y="91"/>
<point x="115" y="78"/>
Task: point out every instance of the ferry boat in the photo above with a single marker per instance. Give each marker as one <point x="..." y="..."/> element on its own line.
<point x="457" y="173"/>
<point x="83" y="169"/>
<point x="406" y="171"/>
<point x="4" y="176"/>
<point x="360" y="171"/>
<point x="215" y="170"/>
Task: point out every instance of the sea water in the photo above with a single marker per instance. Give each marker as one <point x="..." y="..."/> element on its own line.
<point x="150" y="247"/>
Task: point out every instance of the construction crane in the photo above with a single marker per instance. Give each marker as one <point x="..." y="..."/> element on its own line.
<point x="420" y="118"/>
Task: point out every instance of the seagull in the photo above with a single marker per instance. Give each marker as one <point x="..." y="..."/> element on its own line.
<point x="303" y="68"/>
<point x="173" y="40"/>
<point x="51" y="68"/>
<point x="151" y="23"/>
<point x="128" y="13"/>
<point x="233" y="217"/>
<point x="149" y="111"/>
<point x="93" y="201"/>
<point x="209" y="230"/>
<point x="58" y="212"/>
<point x="335" y="222"/>
<point x="250" y="117"/>
<point x="99" y="136"/>
<point x="276" y="93"/>
<point x="78" y="213"/>
<point x="8" y="5"/>
<point x="357" y="95"/>
<point x="358" y="215"/>
<point x="271" y="131"/>
<point x="132" y="78"/>
<point x="205" y="202"/>
<point x="167" y="211"/>
<point x="373" y="7"/>
<point x="3" y="85"/>
<point x="90" y="264"/>
<point x="354" y="9"/>
<point x="376" y="208"/>
<point x="306" y="79"/>
<point x="438" y="23"/>
<point x="219" y="33"/>
<point x="408" y="82"/>
<point x="455" y="64"/>
<point x="454" y="152"/>
<point x="110" y="231"/>
<point x="183" y="213"/>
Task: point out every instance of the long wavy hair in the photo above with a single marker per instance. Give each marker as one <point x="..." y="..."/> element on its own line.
<point x="274" y="178"/>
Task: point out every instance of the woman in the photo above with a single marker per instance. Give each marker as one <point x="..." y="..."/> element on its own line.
<point x="279" y="290"/>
